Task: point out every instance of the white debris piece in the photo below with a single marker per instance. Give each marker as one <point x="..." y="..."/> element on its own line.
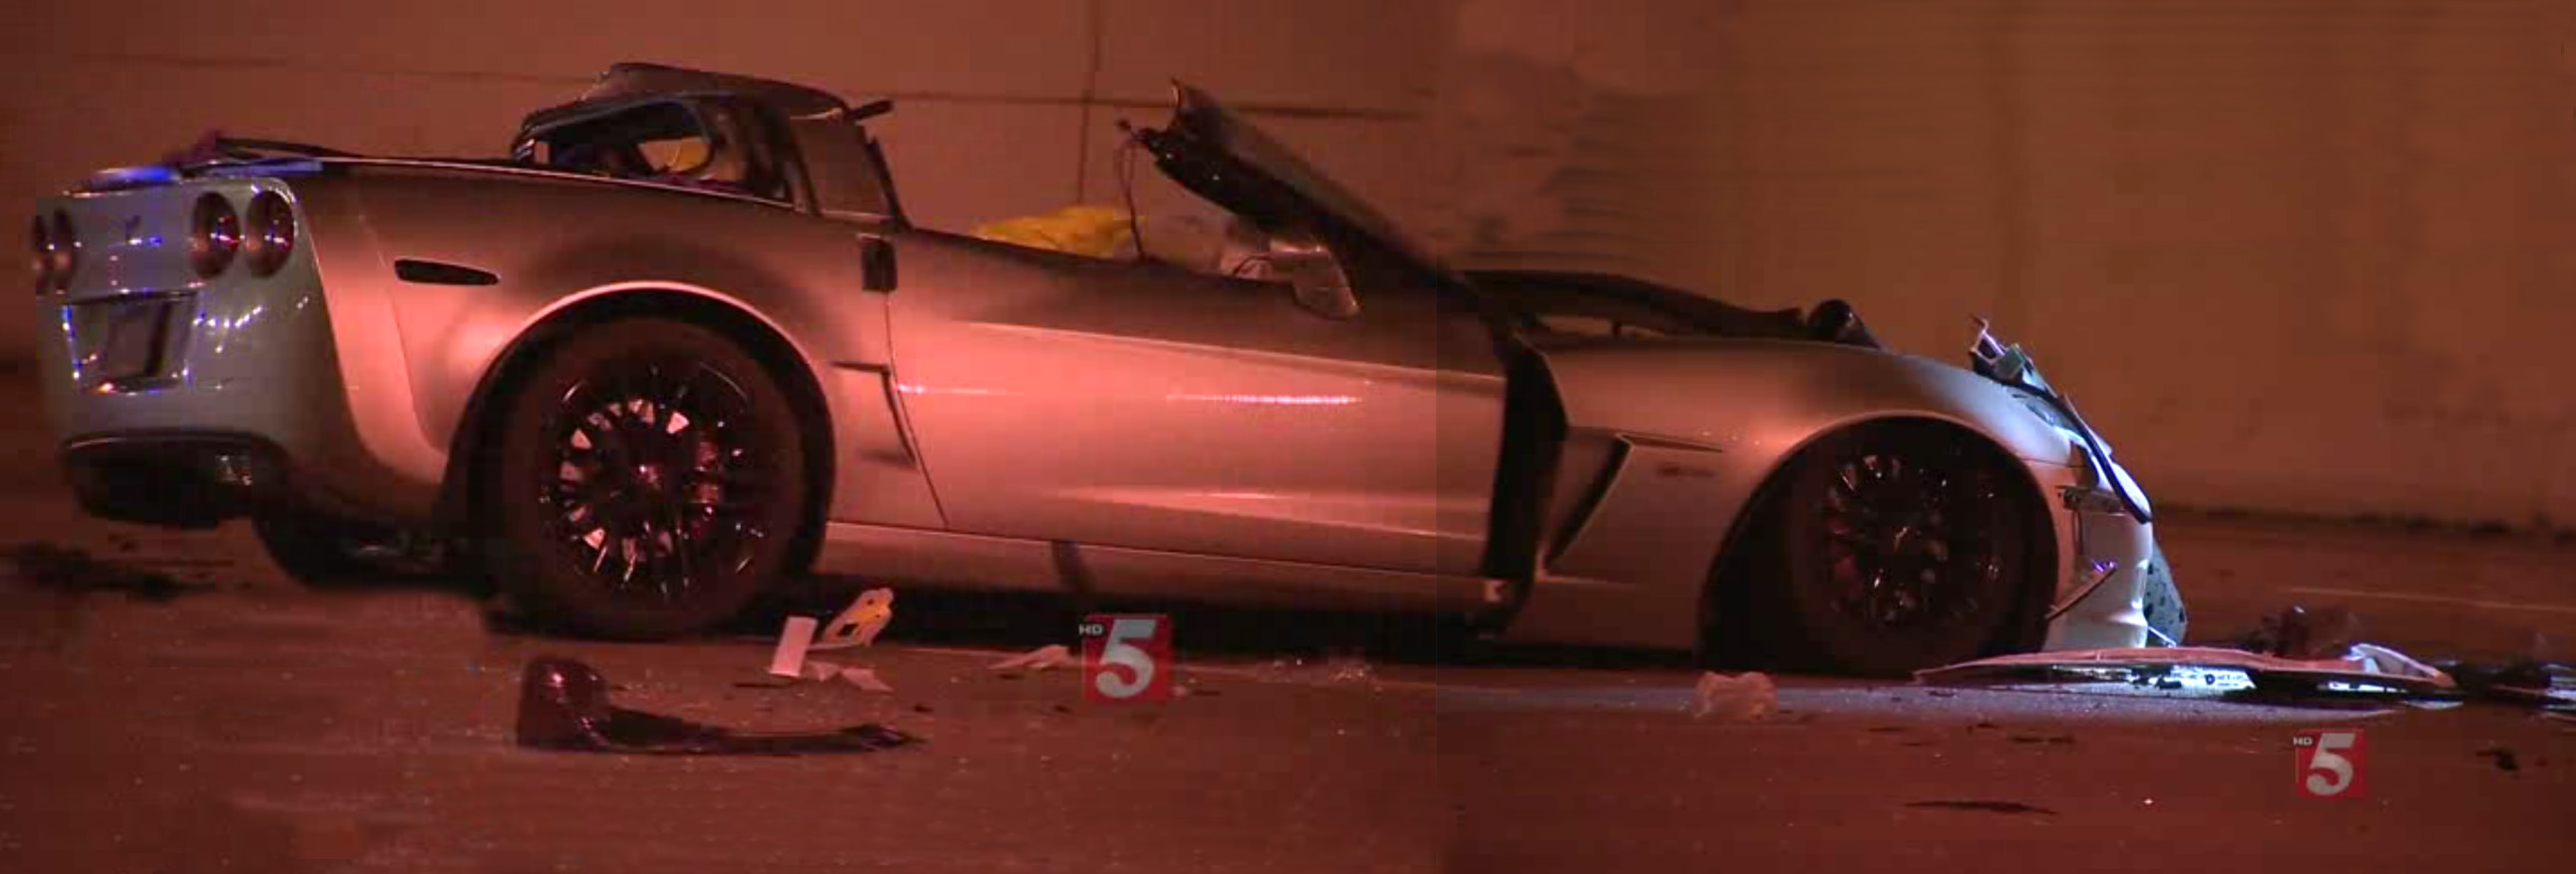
<point x="2362" y="663"/>
<point x="1748" y="697"/>
<point x="789" y="659"/>
<point x="1042" y="658"/>
<point x="866" y="679"/>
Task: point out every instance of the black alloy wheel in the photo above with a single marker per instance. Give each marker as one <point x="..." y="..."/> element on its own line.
<point x="649" y="483"/>
<point x="1905" y="546"/>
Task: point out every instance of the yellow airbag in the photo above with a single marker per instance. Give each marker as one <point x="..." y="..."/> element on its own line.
<point x="1092" y="231"/>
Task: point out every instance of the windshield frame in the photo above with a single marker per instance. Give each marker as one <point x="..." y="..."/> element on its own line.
<point x="758" y="140"/>
<point x="1236" y="165"/>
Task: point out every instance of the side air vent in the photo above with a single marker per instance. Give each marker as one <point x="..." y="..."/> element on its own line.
<point x="441" y="273"/>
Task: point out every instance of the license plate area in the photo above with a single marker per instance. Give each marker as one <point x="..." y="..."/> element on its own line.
<point x="120" y="342"/>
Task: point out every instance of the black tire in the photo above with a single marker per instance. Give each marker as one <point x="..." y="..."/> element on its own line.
<point x="1901" y="546"/>
<point x="325" y="551"/>
<point x="646" y="482"/>
<point x="2166" y="615"/>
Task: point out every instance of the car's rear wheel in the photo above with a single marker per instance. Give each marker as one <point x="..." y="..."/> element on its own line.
<point x="1903" y="546"/>
<point x="327" y="551"/>
<point x="647" y="481"/>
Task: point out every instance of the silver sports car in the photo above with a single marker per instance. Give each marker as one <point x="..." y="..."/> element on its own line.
<point x="682" y="345"/>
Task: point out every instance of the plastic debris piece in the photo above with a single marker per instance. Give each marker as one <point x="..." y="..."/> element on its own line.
<point x="564" y="706"/>
<point x="866" y="679"/>
<point x="2363" y="665"/>
<point x="1748" y="697"/>
<point x="788" y="660"/>
<point x="1044" y="657"/>
<point x="860" y="624"/>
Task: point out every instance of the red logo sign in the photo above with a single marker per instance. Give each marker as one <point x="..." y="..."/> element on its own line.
<point x="1127" y="658"/>
<point x="2329" y="762"/>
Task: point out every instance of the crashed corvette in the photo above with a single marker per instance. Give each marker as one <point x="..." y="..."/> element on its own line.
<point x="681" y="347"/>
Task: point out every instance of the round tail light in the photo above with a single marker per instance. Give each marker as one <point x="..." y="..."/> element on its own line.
<point x="40" y="254"/>
<point x="66" y="251"/>
<point x="214" y="235"/>
<point x="270" y="223"/>
<point x="54" y="251"/>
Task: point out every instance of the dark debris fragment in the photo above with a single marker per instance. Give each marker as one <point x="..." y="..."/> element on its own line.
<point x="2504" y="760"/>
<point x="1984" y="805"/>
<point x="563" y="706"/>
<point x="75" y="571"/>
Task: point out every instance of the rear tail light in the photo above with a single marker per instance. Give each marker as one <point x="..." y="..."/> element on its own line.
<point x="40" y="254"/>
<point x="270" y="223"/>
<point x="53" y="250"/>
<point x="214" y="235"/>
<point x="66" y="251"/>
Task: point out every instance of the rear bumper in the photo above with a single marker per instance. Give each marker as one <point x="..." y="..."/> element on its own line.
<point x="246" y="410"/>
<point x="180" y="480"/>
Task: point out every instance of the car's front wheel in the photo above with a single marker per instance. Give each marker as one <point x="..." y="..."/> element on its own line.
<point x="1903" y="546"/>
<point x="647" y="481"/>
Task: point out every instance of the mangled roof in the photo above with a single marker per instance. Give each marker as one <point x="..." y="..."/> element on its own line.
<point x="634" y="79"/>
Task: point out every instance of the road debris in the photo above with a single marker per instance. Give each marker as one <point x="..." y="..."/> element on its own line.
<point x="2530" y="682"/>
<point x="564" y="706"/>
<point x="2362" y="666"/>
<point x="75" y="571"/>
<point x="1747" y="697"/>
<point x="1350" y="667"/>
<point x="1043" y="658"/>
<point x="1984" y="805"/>
<point x="864" y="678"/>
<point x="788" y="660"/>
<point x="2503" y="757"/>
<point x="2298" y="632"/>
<point x="860" y="623"/>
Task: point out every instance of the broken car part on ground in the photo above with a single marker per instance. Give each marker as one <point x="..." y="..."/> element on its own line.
<point x="563" y="705"/>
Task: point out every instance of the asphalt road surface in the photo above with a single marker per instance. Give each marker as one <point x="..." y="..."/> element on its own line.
<point x="232" y="721"/>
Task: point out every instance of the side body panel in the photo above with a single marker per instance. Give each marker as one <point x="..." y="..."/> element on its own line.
<point x="1149" y="407"/>
<point x="554" y="242"/>
<point x="1678" y="436"/>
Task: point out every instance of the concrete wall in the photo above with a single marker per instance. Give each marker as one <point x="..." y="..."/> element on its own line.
<point x="2304" y="255"/>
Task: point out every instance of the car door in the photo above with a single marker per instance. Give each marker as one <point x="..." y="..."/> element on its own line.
<point x="1142" y="405"/>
